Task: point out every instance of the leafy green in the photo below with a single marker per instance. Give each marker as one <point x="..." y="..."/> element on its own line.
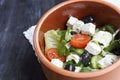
<point x="86" y="69"/>
<point x="77" y="51"/>
<point x="70" y="62"/>
<point x="79" y="64"/>
<point x="114" y="44"/>
<point x="68" y="35"/>
<point x="63" y="50"/>
<point x="61" y="33"/>
<point x="52" y="39"/>
<point x="109" y="28"/>
<point x="73" y="63"/>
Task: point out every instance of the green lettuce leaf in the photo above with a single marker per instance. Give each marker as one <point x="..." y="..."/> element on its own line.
<point x="52" y="39"/>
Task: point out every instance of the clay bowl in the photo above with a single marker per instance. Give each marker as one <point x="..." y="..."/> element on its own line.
<point x="103" y="12"/>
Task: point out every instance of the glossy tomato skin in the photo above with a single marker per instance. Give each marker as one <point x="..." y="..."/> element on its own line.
<point x="53" y="53"/>
<point x="79" y="40"/>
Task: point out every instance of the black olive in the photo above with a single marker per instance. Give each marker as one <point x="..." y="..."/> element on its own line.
<point x="69" y="67"/>
<point x="73" y="32"/>
<point x="87" y="19"/>
<point x="116" y="51"/>
<point x="85" y="58"/>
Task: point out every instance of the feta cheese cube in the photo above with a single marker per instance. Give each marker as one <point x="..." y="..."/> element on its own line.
<point x="77" y="69"/>
<point x="93" y="48"/>
<point x="88" y="28"/>
<point x="74" y="57"/>
<point x="71" y="21"/>
<point x="68" y="45"/>
<point x="103" y="37"/>
<point x="57" y="63"/>
<point x="78" y="26"/>
<point x="107" y="60"/>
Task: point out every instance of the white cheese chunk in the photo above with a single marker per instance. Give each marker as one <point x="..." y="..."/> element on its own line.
<point x="88" y="28"/>
<point x="103" y="37"/>
<point x="107" y="60"/>
<point x="68" y="45"/>
<point x="74" y="57"/>
<point x="77" y="69"/>
<point x="57" y="63"/>
<point x="78" y="26"/>
<point x="93" y="48"/>
<point x="71" y="21"/>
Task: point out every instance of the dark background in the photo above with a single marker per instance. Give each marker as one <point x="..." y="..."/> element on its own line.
<point x="17" y="58"/>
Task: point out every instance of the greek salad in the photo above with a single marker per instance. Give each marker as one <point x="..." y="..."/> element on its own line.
<point x="83" y="46"/>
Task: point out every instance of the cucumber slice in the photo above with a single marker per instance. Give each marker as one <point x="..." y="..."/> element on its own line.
<point x="77" y="51"/>
<point x="52" y="39"/>
<point x="86" y="69"/>
<point x="94" y="61"/>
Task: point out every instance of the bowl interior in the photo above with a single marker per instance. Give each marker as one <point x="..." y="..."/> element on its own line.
<point x="58" y="16"/>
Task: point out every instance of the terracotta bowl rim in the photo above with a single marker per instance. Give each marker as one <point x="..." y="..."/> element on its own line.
<point x="43" y="59"/>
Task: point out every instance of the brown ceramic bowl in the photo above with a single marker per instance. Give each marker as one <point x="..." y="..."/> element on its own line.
<point x="103" y="12"/>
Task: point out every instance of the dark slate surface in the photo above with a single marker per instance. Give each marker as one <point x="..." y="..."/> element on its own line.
<point x="17" y="59"/>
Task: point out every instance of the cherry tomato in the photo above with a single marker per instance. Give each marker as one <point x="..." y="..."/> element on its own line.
<point x="79" y="40"/>
<point x="53" y="53"/>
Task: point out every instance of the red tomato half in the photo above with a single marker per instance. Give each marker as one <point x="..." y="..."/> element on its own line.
<point x="79" y="40"/>
<point x="53" y="53"/>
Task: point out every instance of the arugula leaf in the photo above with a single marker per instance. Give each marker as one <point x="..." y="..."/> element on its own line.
<point x="109" y="28"/>
<point x="114" y="44"/>
<point x="63" y="39"/>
